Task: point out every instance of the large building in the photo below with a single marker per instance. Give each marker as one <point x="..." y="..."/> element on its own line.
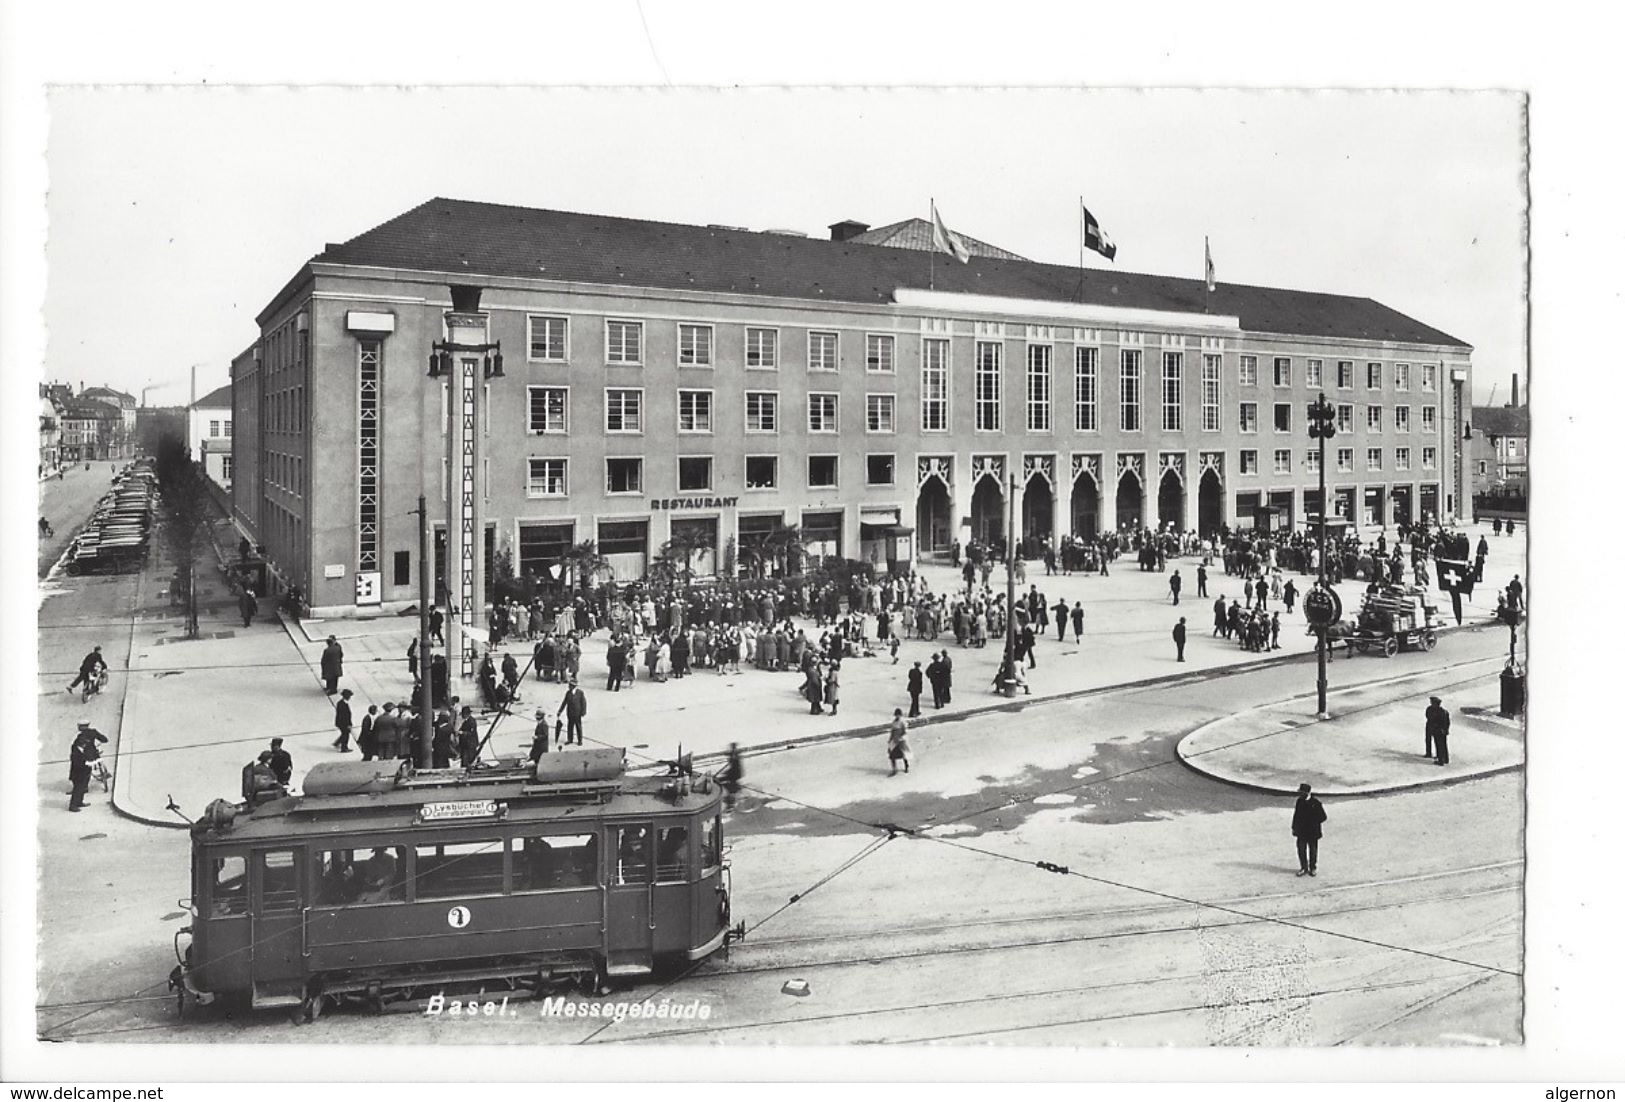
<point x="713" y="384"/>
<point x="208" y="434"/>
<point x="1500" y="475"/>
<point x="122" y="438"/>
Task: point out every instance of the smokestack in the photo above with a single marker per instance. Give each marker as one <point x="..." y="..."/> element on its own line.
<point x="1514" y="391"/>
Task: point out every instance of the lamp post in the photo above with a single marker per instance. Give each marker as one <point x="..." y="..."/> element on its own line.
<point x="1010" y="580"/>
<point x="1322" y="606"/>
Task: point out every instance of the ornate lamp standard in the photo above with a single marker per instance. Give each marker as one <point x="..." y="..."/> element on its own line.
<point x="1321" y="605"/>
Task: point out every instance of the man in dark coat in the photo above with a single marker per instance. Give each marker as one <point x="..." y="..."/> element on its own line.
<point x="1179" y="639"/>
<point x="437" y="627"/>
<point x="1175" y="583"/>
<point x="538" y="740"/>
<point x="468" y="738"/>
<point x="93" y="664"/>
<point x="1306" y="819"/>
<point x="247" y="605"/>
<point x="933" y="674"/>
<point x="916" y="686"/>
<point x="947" y="678"/>
<point x="1029" y="646"/>
<point x="1060" y="611"/>
<point x="281" y="763"/>
<point x="386" y="733"/>
<point x="1219" y="617"/>
<point x="83" y="752"/>
<point x="1201" y="579"/>
<point x="573" y="708"/>
<point x="332" y="664"/>
<point x="343" y="722"/>
<point x="367" y="739"/>
<point x="1437" y="718"/>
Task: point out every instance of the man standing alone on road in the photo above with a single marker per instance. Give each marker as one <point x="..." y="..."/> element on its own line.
<point x="247" y="605"/>
<point x="1077" y="621"/>
<point x="343" y="721"/>
<point x="916" y="685"/>
<point x="1219" y="617"/>
<point x="1201" y="580"/>
<point x="1437" y="745"/>
<point x="1179" y="638"/>
<point x="1174" y="585"/>
<point x="573" y="708"/>
<point x="332" y="664"/>
<point x="1306" y="819"/>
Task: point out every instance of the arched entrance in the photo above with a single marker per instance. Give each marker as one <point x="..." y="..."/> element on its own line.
<point x="987" y="512"/>
<point x="1085" y="507"/>
<point x="1209" y="504"/>
<point x="1038" y="510"/>
<point x="933" y="517"/>
<point x="1171" y="502"/>
<point x="1130" y="501"/>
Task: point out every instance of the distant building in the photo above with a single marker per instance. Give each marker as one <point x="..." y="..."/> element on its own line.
<point x="50" y="433"/>
<point x="122" y="438"/>
<point x="90" y="430"/>
<point x="208" y="434"/>
<point x="1501" y="454"/>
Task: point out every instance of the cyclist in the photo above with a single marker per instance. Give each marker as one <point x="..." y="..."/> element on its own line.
<point x="90" y="670"/>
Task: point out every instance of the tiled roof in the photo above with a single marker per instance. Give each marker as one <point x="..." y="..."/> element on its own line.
<point x="485" y="239"/>
<point x="107" y="393"/>
<point x="219" y="398"/>
<point x="915" y="233"/>
<point x="1501" y="420"/>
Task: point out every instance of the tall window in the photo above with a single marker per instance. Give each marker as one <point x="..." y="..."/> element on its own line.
<point x="762" y="348"/>
<point x="549" y="338"/>
<point x="1430" y="458"/>
<point x="549" y="409"/>
<point x="1283" y="461"/>
<point x="1345" y="374"/>
<point x="623" y="342"/>
<point x="1249" y="461"/>
<point x="1345" y="460"/>
<point x="623" y="475"/>
<point x="693" y="345"/>
<point x="1402" y="459"/>
<point x="1249" y="416"/>
<point x="1402" y="376"/>
<point x="823" y="412"/>
<point x="1173" y="391"/>
<point x="882" y="412"/>
<point x="1212" y="368"/>
<point x="1373" y="418"/>
<point x="934" y="386"/>
<point x="989" y="386"/>
<point x="623" y="410"/>
<point x="1311" y="461"/>
<point x="1373" y="459"/>
<point x="1430" y="418"/>
<point x="1247" y="375"/>
<point x="879" y="352"/>
<point x="1402" y="418"/>
<point x="1129" y="390"/>
<point x="1039" y="378"/>
<point x="1283" y="416"/>
<point x="547" y="478"/>
<point x="761" y="411"/>
<point x="1430" y="376"/>
<point x="1373" y="376"/>
<point x="693" y="411"/>
<point x="1086" y="396"/>
<point x="1283" y="371"/>
<point x="823" y="351"/>
<point x="1345" y="418"/>
<point x="1313" y="374"/>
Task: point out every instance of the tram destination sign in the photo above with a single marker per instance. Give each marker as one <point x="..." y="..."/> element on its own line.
<point x="460" y="809"/>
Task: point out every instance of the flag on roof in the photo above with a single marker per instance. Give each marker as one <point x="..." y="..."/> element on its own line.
<point x="946" y="240"/>
<point x="1095" y="238"/>
<point x="1207" y="254"/>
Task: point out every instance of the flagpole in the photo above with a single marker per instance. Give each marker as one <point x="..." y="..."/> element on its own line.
<point x="933" y="249"/>
<point x="1207" y="283"/>
<point x="1080" y="248"/>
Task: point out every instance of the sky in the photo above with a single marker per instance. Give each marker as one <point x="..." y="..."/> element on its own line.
<point x="174" y="214"/>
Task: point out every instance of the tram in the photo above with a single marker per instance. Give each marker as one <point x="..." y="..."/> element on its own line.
<point x="381" y="883"/>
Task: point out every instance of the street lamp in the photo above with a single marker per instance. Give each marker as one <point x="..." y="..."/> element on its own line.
<point x="1512" y="680"/>
<point x="1321" y="605"/>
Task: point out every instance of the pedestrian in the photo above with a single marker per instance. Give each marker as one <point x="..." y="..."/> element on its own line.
<point x="1174" y="585"/>
<point x="437" y="625"/>
<point x="1275" y="631"/>
<point x="510" y="676"/>
<point x="1495" y="522"/>
<point x="1289" y="595"/>
<point x="947" y="678"/>
<point x="440" y="740"/>
<point x="814" y="689"/>
<point x="1437" y="721"/>
<point x="1306" y="819"/>
<point x="80" y="756"/>
<point x="1219" y="617"/>
<point x="1201" y="579"/>
<point x="1179" y="638"/>
<point x="731" y="776"/>
<point x="933" y="674"/>
<point x="1077" y="621"/>
<point x="1514" y="593"/>
<point x="343" y="722"/>
<point x="916" y="685"/>
<point x="538" y="739"/>
<point x="386" y="733"/>
<point x="89" y="669"/>
<point x="412" y="659"/>
<point x="332" y="664"/>
<point x="832" y="688"/>
<point x="894" y="646"/>
<point x="468" y="738"/>
<point x="247" y="605"/>
<point x="897" y="741"/>
<point x="574" y="709"/>
<point x="1060" y="611"/>
<point x="367" y="740"/>
<point x="281" y="763"/>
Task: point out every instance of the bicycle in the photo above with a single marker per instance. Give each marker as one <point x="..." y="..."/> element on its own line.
<point x="93" y="685"/>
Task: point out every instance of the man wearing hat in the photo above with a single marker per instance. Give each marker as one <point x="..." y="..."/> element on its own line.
<point x="343" y="722"/>
<point x="332" y="664"/>
<point x="538" y="744"/>
<point x="84" y="752"/>
<point x="574" y="708"/>
<point x="1437" y="745"/>
<point x="1306" y="819"/>
<point x="281" y="763"/>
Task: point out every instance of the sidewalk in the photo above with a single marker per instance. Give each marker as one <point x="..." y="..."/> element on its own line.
<point x="263" y="682"/>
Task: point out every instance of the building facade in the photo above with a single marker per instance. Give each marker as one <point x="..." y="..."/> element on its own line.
<point x="50" y="434"/>
<point x="209" y="428"/>
<point x="1500" y="468"/>
<point x="711" y="385"/>
<point x="91" y="430"/>
<point x="120" y="438"/>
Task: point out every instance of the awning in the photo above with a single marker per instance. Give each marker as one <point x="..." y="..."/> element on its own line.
<point x="881" y="531"/>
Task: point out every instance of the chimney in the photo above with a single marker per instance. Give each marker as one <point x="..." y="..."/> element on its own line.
<point x="1514" y="391"/>
<point x="845" y="231"/>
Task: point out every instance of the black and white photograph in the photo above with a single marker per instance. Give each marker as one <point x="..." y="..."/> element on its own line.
<point x="753" y="568"/>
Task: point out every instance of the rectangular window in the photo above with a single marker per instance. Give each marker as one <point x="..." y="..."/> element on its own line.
<point x="1283" y="371"/>
<point x="1402" y="459"/>
<point x="1345" y="374"/>
<point x="631" y="860"/>
<point x="1373" y="418"/>
<point x="547" y="478"/>
<point x="1039" y="387"/>
<point x="1345" y="460"/>
<point x="623" y="410"/>
<point x="227" y="427"/>
<point x="549" y="409"/>
<point x="1283" y="461"/>
<point x="1311" y="461"/>
<point x="761" y="472"/>
<point x="934" y="386"/>
<point x="761" y="411"/>
<point x="1283" y="416"/>
<point x="882" y="470"/>
<point x="549" y="338"/>
<point x="1249" y="461"/>
<point x="1430" y="376"/>
<point x="1345" y="418"/>
<point x="623" y="475"/>
<point x="228" y="893"/>
<point x="762" y="348"/>
<point x="403" y="568"/>
<point x="693" y="472"/>
<point x="1086" y="396"/>
<point x="1129" y="391"/>
<point x="671" y="855"/>
<point x="449" y="870"/>
<point x="989" y="386"/>
<point x="623" y="342"/>
<point x="1402" y="376"/>
<point x="225" y="467"/>
<point x="1430" y="418"/>
<point x="1373" y="376"/>
<point x="1402" y="418"/>
<point x="1212" y="369"/>
<point x="823" y="352"/>
<point x="823" y="412"/>
<point x="881" y="412"/>
<point x="693" y="345"/>
<point x="1313" y="374"/>
<point x="693" y="411"/>
<point x="823" y="472"/>
<point x="1248" y="416"/>
<point x="214" y="429"/>
<point x="879" y="353"/>
<point x="555" y="861"/>
<point x="1430" y="458"/>
<point x="1373" y="459"/>
<point x="1173" y="392"/>
<point x="1247" y="373"/>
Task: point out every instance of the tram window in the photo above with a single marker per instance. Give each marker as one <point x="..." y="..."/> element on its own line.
<point x="279" y="881"/>
<point x="632" y="854"/>
<point x="228" y="894"/>
<point x="338" y="881"/>
<point x="711" y="846"/>
<point x="381" y="875"/>
<point x="671" y="854"/>
<point x="455" y="869"/>
<point x="555" y="861"/>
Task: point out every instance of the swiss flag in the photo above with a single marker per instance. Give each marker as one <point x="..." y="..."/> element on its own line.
<point x="1455" y="576"/>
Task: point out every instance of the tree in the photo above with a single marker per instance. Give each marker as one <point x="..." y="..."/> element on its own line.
<point x="788" y="547"/>
<point x="677" y="555"/>
<point x="187" y="516"/>
<point x="586" y="563"/>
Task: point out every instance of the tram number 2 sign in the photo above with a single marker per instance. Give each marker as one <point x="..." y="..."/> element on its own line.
<point x="1322" y="607"/>
<point x="458" y="917"/>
